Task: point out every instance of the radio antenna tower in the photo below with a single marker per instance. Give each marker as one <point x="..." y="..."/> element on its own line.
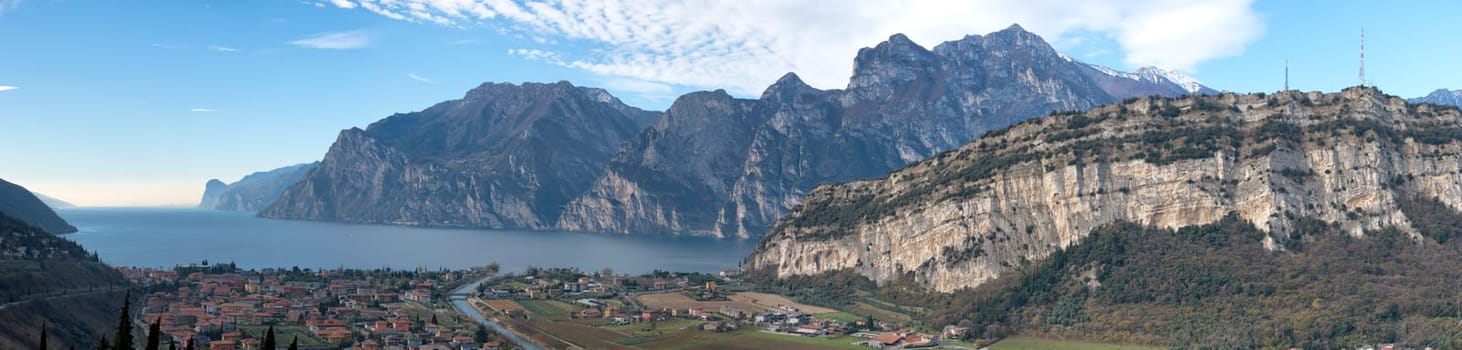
<point x="1286" y="75"/>
<point x="1362" y="56"/>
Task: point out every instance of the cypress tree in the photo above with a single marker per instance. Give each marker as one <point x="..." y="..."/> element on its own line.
<point x="268" y="343"/>
<point x="294" y="344"/>
<point x="154" y="335"/>
<point x="172" y="345"/>
<point x="188" y="345"/>
<point x="123" y="340"/>
<point x="43" y="336"/>
<point x="104" y="345"/>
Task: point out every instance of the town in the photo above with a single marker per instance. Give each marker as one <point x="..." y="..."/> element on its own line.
<point x="221" y="307"/>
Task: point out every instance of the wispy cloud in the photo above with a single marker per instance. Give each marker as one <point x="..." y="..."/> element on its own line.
<point x="354" y="39"/>
<point x="419" y="78"/>
<point x="203" y="110"/>
<point x="4" y="88"/>
<point x="7" y="5"/>
<point x="748" y="44"/>
<point x="222" y="48"/>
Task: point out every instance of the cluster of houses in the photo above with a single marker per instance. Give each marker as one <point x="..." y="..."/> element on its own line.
<point x="328" y="310"/>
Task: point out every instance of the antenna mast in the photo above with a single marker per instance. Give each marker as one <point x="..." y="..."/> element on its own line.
<point x="1362" y="56"/>
<point x="1286" y="75"/>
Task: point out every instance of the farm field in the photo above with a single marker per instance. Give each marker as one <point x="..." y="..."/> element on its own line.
<point x="1027" y="343"/>
<point x="748" y="301"/>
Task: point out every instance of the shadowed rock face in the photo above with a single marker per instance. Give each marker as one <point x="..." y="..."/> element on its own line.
<point x="964" y="217"/>
<point x="502" y="156"/>
<point x="19" y="203"/>
<point x="729" y="167"/>
<point x="255" y="191"/>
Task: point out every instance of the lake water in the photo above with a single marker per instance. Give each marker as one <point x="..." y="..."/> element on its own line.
<point x="158" y="237"/>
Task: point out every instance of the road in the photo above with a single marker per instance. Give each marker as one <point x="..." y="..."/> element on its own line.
<point x="65" y="293"/>
<point x="459" y="301"/>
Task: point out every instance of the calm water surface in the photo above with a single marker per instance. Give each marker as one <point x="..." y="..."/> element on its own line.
<point x="156" y="237"/>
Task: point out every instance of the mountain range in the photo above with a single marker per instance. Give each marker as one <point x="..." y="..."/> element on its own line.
<point x="1440" y="97"/>
<point x="253" y="192"/>
<point x="556" y="156"/>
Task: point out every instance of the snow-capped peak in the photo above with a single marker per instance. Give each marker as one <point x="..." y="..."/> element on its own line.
<point x="1188" y="83"/>
<point x="1113" y="72"/>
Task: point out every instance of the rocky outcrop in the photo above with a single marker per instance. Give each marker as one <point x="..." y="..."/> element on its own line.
<point x="726" y="167"/>
<point x="505" y="156"/>
<point x="19" y="203"/>
<point x="253" y="192"/>
<point x="1016" y="195"/>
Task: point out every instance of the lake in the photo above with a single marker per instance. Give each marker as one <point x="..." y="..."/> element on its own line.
<point x="163" y="237"/>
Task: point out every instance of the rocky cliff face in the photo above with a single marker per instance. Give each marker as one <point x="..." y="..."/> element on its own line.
<point x="19" y="203"/>
<point x="253" y="192"/>
<point x="504" y="155"/>
<point x="720" y="166"/>
<point x="1012" y="196"/>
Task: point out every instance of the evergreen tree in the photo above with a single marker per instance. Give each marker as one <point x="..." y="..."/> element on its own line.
<point x="123" y="340"/>
<point x="43" y="336"/>
<point x="433" y="318"/>
<point x="294" y="344"/>
<point x="268" y="343"/>
<point x="481" y="335"/>
<point x="154" y="335"/>
<point x="104" y="345"/>
<point x="188" y="345"/>
<point x="172" y="345"/>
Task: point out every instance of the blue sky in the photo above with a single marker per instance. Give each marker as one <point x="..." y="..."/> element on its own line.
<point x="123" y="103"/>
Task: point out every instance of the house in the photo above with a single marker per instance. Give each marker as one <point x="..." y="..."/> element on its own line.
<point x="591" y="313"/>
<point x="811" y="330"/>
<point x="956" y="332"/>
<point x="222" y="345"/>
<point x="731" y="272"/>
<point x="886" y="339"/>
<point x="420" y="295"/>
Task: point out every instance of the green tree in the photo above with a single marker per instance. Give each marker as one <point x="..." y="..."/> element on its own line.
<point x="123" y="339"/>
<point x="294" y="344"/>
<point x="43" y="336"/>
<point x="154" y="335"/>
<point x="481" y="335"/>
<point x="268" y="343"/>
<point x="493" y="268"/>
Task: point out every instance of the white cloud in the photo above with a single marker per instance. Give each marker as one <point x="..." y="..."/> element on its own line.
<point x="345" y="4"/>
<point x="222" y="48"/>
<point x="335" y="41"/>
<point x="745" y="45"/>
<point x="203" y="110"/>
<point x="4" y="88"/>
<point x="419" y="78"/>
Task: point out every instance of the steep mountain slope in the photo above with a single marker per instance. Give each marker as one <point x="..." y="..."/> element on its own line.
<point x="1440" y="97"/>
<point x="960" y="219"/>
<point x="48" y="278"/>
<point x="721" y="166"/>
<point x="253" y="192"/>
<point x="20" y="203"/>
<point x="502" y="156"/>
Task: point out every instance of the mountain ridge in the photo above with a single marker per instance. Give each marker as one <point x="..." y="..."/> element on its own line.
<point x="962" y="218"/>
